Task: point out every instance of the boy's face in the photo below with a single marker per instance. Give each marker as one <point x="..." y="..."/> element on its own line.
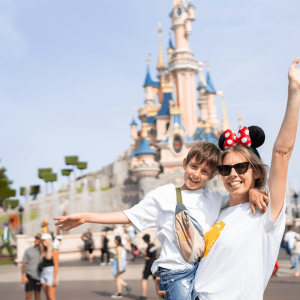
<point x="196" y="174"/>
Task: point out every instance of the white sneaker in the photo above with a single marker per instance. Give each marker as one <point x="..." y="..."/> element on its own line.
<point x="117" y="295"/>
<point x="103" y="264"/>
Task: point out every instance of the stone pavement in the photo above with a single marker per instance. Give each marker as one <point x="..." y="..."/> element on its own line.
<point x="84" y="280"/>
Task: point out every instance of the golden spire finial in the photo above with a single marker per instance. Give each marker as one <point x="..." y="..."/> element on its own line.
<point x="225" y="122"/>
<point x="240" y="119"/>
<point x="207" y="128"/>
<point x="160" y="64"/>
<point x="148" y="59"/>
<point x="133" y="112"/>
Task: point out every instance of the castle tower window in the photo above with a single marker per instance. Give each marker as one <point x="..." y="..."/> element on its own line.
<point x="177" y="143"/>
<point x="167" y="126"/>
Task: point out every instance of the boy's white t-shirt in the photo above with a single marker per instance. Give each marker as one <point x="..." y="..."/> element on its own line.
<point x="157" y="210"/>
<point x="241" y="251"/>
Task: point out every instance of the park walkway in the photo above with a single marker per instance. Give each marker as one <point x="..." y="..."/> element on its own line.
<point x="84" y="280"/>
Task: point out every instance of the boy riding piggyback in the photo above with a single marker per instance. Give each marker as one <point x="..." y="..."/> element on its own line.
<point x="161" y="208"/>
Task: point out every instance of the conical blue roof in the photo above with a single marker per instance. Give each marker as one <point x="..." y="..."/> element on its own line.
<point x="151" y="120"/>
<point x="145" y="148"/>
<point x="148" y="79"/>
<point x="171" y="43"/>
<point x="133" y="122"/>
<point x="165" y="106"/>
<point x="210" y="87"/>
<point x="132" y="153"/>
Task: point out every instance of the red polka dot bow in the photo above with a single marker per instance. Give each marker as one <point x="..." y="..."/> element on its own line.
<point x="242" y="138"/>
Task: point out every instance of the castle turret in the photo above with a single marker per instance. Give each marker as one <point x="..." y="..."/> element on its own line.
<point x="183" y="65"/>
<point x="210" y="94"/>
<point x="145" y="168"/>
<point x="202" y="103"/>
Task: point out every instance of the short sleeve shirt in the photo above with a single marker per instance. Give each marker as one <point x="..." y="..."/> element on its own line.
<point x="157" y="210"/>
<point x="32" y="258"/>
<point x="241" y="251"/>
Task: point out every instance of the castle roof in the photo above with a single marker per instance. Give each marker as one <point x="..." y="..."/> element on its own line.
<point x="148" y="79"/>
<point x="201" y="135"/>
<point x="210" y="87"/>
<point x="145" y="148"/>
<point x="151" y="120"/>
<point x="133" y="122"/>
<point x="171" y="43"/>
<point x="165" y="106"/>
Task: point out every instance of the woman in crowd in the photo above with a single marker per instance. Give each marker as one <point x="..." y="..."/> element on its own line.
<point x="242" y="248"/>
<point x="119" y="267"/>
<point x="48" y="266"/>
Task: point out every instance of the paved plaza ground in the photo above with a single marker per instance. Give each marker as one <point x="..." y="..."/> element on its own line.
<point x="84" y="280"/>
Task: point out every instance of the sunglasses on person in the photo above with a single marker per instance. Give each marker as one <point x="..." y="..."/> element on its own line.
<point x="240" y="168"/>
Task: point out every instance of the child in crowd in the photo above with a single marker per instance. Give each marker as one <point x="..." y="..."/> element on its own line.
<point x="119" y="267"/>
<point x="150" y="258"/>
<point x="157" y="210"/>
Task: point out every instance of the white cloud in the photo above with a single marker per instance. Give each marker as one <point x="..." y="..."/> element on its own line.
<point x="12" y="43"/>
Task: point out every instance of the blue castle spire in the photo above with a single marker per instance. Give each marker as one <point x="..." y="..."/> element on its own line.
<point x="145" y="148"/>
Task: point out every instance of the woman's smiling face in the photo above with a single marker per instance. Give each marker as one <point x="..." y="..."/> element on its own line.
<point x="238" y="184"/>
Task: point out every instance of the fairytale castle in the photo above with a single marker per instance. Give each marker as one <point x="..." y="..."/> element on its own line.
<point x="170" y="125"/>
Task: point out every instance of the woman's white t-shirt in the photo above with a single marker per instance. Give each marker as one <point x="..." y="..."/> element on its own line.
<point x="157" y="210"/>
<point x="241" y="251"/>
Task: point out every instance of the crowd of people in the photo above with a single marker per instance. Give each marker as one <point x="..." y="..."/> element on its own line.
<point x="40" y="265"/>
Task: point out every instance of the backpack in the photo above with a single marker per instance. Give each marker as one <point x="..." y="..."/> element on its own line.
<point x="188" y="232"/>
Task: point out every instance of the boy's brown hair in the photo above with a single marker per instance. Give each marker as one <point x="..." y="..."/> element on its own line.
<point x="205" y="151"/>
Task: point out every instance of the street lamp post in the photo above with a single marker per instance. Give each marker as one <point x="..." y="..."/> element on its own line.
<point x="296" y="195"/>
<point x="21" y="210"/>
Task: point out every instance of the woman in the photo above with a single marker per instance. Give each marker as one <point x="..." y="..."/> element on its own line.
<point x="119" y="267"/>
<point x="242" y="248"/>
<point x="48" y="266"/>
<point x="296" y="252"/>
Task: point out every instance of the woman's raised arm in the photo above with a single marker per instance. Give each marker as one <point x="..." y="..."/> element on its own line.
<point x="284" y="143"/>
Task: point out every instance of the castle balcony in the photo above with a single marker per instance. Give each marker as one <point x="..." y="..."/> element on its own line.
<point x="142" y="169"/>
<point x="183" y="63"/>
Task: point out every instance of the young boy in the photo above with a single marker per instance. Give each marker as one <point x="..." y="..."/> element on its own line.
<point x="150" y="258"/>
<point x="157" y="210"/>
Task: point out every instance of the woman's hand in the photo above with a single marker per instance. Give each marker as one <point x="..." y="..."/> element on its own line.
<point x="159" y="293"/>
<point x="294" y="75"/>
<point x="260" y="199"/>
<point x="70" y="221"/>
<point x="54" y="282"/>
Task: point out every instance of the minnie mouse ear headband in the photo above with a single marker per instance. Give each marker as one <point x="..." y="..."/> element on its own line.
<point x="252" y="137"/>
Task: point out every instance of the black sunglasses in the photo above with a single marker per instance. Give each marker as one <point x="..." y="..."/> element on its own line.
<point x="240" y="168"/>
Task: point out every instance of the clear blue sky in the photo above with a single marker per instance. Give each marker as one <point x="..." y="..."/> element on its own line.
<point x="71" y="71"/>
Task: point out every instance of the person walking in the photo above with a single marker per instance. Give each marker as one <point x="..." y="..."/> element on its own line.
<point x="104" y="249"/>
<point x="150" y="258"/>
<point x="290" y="239"/>
<point x="88" y="244"/>
<point x="296" y="251"/>
<point x="30" y="275"/>
<point x="48" y="266"/>
<point x="119" y="267"/>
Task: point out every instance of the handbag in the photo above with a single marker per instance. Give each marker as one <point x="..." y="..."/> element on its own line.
<point x="188" y="232"/>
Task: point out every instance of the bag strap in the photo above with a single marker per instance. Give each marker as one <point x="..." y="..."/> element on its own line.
<point x="178" y="196"/>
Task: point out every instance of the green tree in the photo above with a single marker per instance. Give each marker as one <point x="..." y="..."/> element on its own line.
<point x="82" y="166"/>
<point x="5" y="190"/>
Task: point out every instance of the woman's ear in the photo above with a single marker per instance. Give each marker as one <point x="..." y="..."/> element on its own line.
<point x="184" y="163"/>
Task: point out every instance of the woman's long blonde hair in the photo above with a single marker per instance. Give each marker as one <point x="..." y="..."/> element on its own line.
<point x="258" y="166"/>
<point x="49" y="249"/>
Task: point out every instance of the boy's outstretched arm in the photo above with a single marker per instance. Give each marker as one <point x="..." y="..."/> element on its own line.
<point x="75" y="220"/>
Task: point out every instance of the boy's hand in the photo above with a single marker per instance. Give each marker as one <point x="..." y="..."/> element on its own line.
<point x="260" y="199"/>
<point x="70" y="221"/>
<point x="294" y="74"/>
<point x="159" y="293"/>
